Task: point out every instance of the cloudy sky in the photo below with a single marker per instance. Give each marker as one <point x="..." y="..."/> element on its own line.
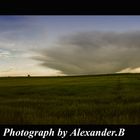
<point x="67" y="45"/>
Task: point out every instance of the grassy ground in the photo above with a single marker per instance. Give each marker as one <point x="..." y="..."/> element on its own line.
<point x="106" y="99"/>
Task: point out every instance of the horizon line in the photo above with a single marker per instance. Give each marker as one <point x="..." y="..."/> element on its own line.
<point x="72" y="75"/>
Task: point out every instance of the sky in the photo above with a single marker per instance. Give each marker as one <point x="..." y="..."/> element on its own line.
<point x="69" y="45"/>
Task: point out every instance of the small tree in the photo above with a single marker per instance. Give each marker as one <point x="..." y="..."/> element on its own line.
<point x="28" y="76"/>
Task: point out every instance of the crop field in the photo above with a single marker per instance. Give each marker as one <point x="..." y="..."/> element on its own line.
<point x="98" y="99"/>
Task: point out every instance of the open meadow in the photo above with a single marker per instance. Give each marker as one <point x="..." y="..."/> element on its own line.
<point x="98" y="99"/>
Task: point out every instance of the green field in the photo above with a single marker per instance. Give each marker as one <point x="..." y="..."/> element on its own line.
<point x="99" y="99"/>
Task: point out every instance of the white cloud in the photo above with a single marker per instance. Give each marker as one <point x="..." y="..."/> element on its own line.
<point x="130" y="70"/>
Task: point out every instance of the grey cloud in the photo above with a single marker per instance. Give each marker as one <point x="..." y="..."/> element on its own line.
<point x="93" y="52"/>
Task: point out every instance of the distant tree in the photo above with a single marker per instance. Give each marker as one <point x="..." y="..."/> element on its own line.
<point x="28" y="76"/>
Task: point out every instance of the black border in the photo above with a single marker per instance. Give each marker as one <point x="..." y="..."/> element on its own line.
<point x="68" y="7"/>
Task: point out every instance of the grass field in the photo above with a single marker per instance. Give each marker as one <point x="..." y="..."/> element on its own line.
<point x="101" y="99"/>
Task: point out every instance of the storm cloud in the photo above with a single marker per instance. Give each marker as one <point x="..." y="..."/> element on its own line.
<point x="93" y="52"/>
